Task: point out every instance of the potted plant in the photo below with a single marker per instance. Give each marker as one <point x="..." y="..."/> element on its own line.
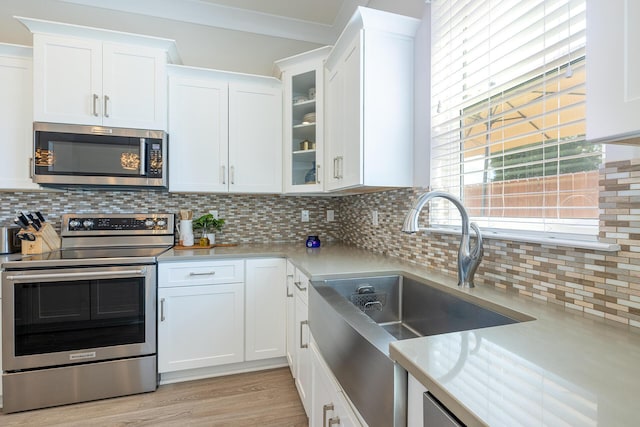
<point x="209" y="225"/>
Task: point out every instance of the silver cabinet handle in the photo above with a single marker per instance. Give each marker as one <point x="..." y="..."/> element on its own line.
<point x="95" y="104"/>
<point x="340" y="167"/>
<point x="289" y="295"/>
<point x="335" y="167"/>
<point x="106" y="101"/>
<point x="162" y="310"/>
<point x="298" y="285"/>
<point x="318" y="174"/>
<point x="208" y="273"/>
<point x="335" y="421"/>
<point x="302" y="323"/>
<point x="232" y="172"/>
<point x="224" y="173"/>
<point x="32" y="171"/>
<point x="325" y="408"/>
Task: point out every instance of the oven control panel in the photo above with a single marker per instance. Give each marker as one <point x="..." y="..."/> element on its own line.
<point x="118" y="224"/>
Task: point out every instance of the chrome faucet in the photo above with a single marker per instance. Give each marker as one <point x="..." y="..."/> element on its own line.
<point x="468" y="258"/>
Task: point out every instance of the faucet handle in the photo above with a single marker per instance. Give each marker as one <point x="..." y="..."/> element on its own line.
<point x="478" y="251"/>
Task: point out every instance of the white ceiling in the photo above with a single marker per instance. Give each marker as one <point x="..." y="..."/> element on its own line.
<point x="315" y="21"/>
<point x="319" y="11"/>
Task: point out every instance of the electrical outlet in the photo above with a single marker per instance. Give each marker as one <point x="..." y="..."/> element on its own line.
<point x="330" y="215"/>
<point x="305" y="216"/>
<point x="214" y="213"/>
<point x="374" y="218"/>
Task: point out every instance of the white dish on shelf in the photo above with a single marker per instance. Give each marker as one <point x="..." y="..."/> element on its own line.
<point x="300" y="99"/>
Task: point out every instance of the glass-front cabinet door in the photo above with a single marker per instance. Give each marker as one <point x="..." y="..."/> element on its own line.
<point x="303" y="80"/>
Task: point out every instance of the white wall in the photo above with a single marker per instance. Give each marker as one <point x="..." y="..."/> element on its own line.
<point x="422" y="102"/>
<point x="198" y="45"/>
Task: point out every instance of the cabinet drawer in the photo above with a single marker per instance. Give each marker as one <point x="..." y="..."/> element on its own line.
<point x="200" y="273"/>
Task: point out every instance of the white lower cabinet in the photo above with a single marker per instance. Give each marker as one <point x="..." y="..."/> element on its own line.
<point x="200" y="314"/>
<point x="265" y="308"/>
<point x="200" y="326"/>
<point x="291" y="321"/>
<point x="329" y="406"/>
<point x="302" y="336"/>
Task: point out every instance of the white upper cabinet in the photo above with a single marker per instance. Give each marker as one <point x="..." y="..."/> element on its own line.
<point x="303" y="79"/>
<point x="91" y="76"/>
<point x="369" y="97"/>
<point x="255" y="136"/>
<point x="198" y="146"/>
<point x="16" y="117"/>
<point x="225" y="132"/>
<point x="613" y="71"/>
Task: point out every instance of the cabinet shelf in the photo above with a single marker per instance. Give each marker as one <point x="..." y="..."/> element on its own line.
<point x="303" y="125"/>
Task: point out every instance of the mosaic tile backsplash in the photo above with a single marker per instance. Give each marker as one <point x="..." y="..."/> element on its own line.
<point x="249" y="218"/>
<point x="604" y="284"/>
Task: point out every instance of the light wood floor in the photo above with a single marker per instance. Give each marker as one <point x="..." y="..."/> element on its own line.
<point x="265" y="398"/>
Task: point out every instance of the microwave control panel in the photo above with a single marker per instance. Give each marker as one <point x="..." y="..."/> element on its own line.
<point x="155" y="160"/>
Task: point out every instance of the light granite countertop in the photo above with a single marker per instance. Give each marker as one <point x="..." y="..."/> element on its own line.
<point x="564" y="368"/>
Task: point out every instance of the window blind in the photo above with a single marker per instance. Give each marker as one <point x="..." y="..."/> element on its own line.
<point x="508" y="115"/>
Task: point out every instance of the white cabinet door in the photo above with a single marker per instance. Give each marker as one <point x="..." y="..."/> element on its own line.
<point x="613" y="68"/>
<point x="67" y="80"/>
<point x="16" y="122"/>
<point x="134" y="87"/>
<point x="303" y="358"/>
<point x="344" y="108"/>
<point x="200" y="326"/>
<point x="303" y="80"/>
<point x="198" y="145"/>
<point x="291" y="321"/>
<point x="255" y="138"/>
<point x="85" y="81"/>
<point x="265" y="309"/>
<point x="329" y="405"/>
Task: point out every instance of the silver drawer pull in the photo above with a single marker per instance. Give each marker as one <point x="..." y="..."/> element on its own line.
<point x="302" y="323"/>
<point x="208" y="273"/>
<point x="335" y="421"/>
<point x="325" y="408"/>
<point x="298" y="285"/>
<point x="162" y="310"/>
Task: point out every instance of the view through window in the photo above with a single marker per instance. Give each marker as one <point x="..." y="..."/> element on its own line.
<point x="508" y="137"/>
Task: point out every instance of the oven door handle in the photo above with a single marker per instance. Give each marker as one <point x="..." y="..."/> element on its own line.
<point x="91" y="274"/>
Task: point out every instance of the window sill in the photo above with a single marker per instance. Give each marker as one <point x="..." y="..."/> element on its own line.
<point x="531" y="238"/>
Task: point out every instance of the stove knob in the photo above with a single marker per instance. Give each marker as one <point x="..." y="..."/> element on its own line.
<point x="74" y="223"/>
<point x="149" y="223"/>
<point x="87" y="223"/>
<point x="161" y="223"/>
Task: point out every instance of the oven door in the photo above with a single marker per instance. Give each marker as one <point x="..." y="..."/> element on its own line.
<point x="76" y="315"/>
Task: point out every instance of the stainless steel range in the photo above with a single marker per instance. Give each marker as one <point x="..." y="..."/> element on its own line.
<point x="79" y="324"/>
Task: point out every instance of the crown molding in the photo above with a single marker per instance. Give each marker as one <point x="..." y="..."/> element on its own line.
<point x="231" y="18"/>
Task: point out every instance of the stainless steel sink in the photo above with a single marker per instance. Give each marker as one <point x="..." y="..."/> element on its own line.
<point x="354" y="320"/>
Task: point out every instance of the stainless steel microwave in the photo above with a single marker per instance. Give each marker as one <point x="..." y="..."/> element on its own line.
<point x="98" y="156"/>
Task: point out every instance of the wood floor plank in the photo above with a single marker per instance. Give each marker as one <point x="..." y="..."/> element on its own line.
<point x="264" y="398"/>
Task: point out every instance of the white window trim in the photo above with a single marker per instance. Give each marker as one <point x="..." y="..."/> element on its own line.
<point x="543" y="238"/>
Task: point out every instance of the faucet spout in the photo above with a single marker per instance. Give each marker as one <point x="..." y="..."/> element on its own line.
<point x="468" y="258"/>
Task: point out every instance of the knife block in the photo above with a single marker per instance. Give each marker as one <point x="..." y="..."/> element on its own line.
<point x="47" y="240"/>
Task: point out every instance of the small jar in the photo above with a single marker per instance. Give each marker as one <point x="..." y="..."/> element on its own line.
<point x="313" y="242"/>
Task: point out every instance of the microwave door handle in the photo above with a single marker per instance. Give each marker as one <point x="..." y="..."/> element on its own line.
<point x="143" y="156"/>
